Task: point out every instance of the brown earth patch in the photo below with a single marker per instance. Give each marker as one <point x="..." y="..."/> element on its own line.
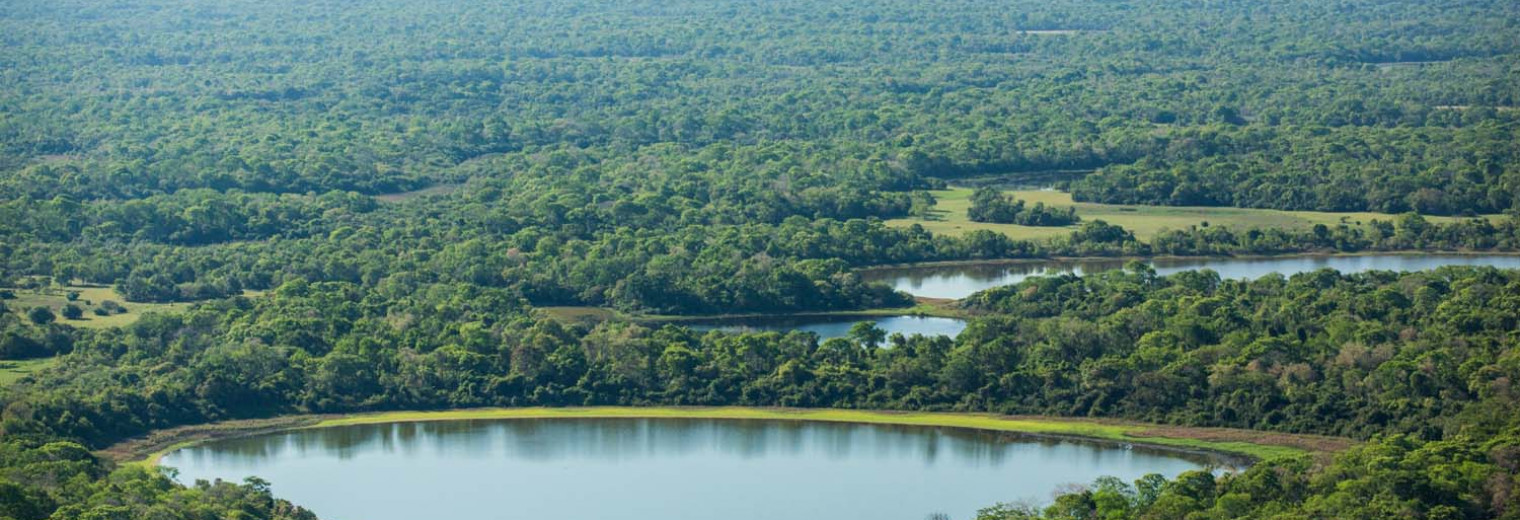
<point x="139" y="448"/>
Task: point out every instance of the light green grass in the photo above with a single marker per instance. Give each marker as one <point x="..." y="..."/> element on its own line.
<point x="1105" y="430"/>
<point x="10" y="371"/>
<point x="90" y="298"/>
<point x="949" y="216"/>
<point x="584" y="315"/>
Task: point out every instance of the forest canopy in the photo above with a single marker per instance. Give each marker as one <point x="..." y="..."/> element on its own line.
<point x="332" y="207"/>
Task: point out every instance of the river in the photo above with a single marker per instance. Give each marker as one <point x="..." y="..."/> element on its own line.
<point x="956" y="281"/>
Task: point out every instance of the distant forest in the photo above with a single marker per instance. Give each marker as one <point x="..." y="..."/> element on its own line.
<point x="367" y="205"/>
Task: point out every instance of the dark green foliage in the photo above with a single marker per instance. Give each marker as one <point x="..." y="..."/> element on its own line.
<point x="990" y="205"/>
<point x="1392" y="477"/>
<point x="57" y="480"/>
<point x="701" y="157"/>
<point x="1430" y="355"/>
<point x="41" y="315"/>
<point x="1447" y="171"/>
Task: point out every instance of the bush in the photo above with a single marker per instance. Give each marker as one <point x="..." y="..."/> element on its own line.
<point x="41" y="315"/>
<point x="111" y="307"/>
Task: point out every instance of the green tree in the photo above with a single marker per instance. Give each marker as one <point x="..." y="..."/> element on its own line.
<point x="867" y="334"/>
<point x="41" y="315"/>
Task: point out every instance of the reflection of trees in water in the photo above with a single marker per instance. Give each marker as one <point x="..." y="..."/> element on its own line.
<point x="1000" y="273"/>
<point x="543" y="440"/>
<point x="832" y="326"/>
<point x="983" y="275"/>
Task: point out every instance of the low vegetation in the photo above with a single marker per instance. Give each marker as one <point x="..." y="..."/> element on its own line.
<point x="98" y="306"/>
<point x="950" y="216"/>
<point x="12" y="370"/>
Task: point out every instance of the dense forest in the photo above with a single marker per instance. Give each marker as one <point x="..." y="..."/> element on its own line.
<point x="1428" y="356"/>
<point x="365" y="206"/>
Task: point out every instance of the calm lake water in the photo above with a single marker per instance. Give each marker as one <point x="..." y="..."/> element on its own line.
<point x="660" y="469"/>
<point x="960" y="281"/>
<point x="835" y="326"/>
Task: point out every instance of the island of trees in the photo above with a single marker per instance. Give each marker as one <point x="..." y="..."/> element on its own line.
<point x="990" y="205"/>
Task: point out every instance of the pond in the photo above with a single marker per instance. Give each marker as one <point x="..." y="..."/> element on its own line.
<point x="960" y="281"/>
<point x="667" y="469"/>
<point x="827" y="327"/>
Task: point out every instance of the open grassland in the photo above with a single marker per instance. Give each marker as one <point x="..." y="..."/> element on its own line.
<point x="580" y="315"/>
<point x="1258" y="445"/>
<point x="90" y="298"/>
<point x="949" y="216"/>
<point x="10" y="371"/>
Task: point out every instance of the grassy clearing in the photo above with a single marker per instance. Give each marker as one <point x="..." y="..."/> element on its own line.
<point x="949" y="216"/>
<point x="90" y="298"/>
<point x="10" y="371"/>
<point x="580" y="315"/>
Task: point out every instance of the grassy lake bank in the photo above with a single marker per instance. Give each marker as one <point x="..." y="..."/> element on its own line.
<point x="1257" y="445"/>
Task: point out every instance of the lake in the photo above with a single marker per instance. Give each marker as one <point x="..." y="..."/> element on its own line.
<point x="960" y="281"/>
<point x="827" y="327"/>
<point x="665" y="469"/>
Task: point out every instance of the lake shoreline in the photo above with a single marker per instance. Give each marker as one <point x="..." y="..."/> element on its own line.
<point x="920" y="310"/>
<point x="1241" y="446"/>
<point x="1043" y="259"/>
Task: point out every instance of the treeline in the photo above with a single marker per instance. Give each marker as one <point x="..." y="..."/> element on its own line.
<point x="578" y="259"/>
<point x="1404" y="233"/>
<point x="1429" y="354"/>
<point x="991" y="205"/>
<point x="1392" y="477"/>
<point x="191" y="218"/>
<point x="63" y="480"/>
<point x="1463" y="171"/>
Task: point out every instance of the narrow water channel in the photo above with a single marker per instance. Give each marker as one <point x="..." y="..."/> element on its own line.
<point x="962" y="280"/>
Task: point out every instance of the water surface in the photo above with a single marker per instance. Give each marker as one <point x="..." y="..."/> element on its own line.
<point x="827" y="327"/>
<point x="960" y="281"/>
<point x="660" y="469"/>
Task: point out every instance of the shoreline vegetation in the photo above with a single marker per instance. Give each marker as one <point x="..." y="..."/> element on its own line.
<point x="1228" y="443"/>
<point x="923" y="306"/>
<point x="945" y="307"/>
<point x="1144" y="258"/>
